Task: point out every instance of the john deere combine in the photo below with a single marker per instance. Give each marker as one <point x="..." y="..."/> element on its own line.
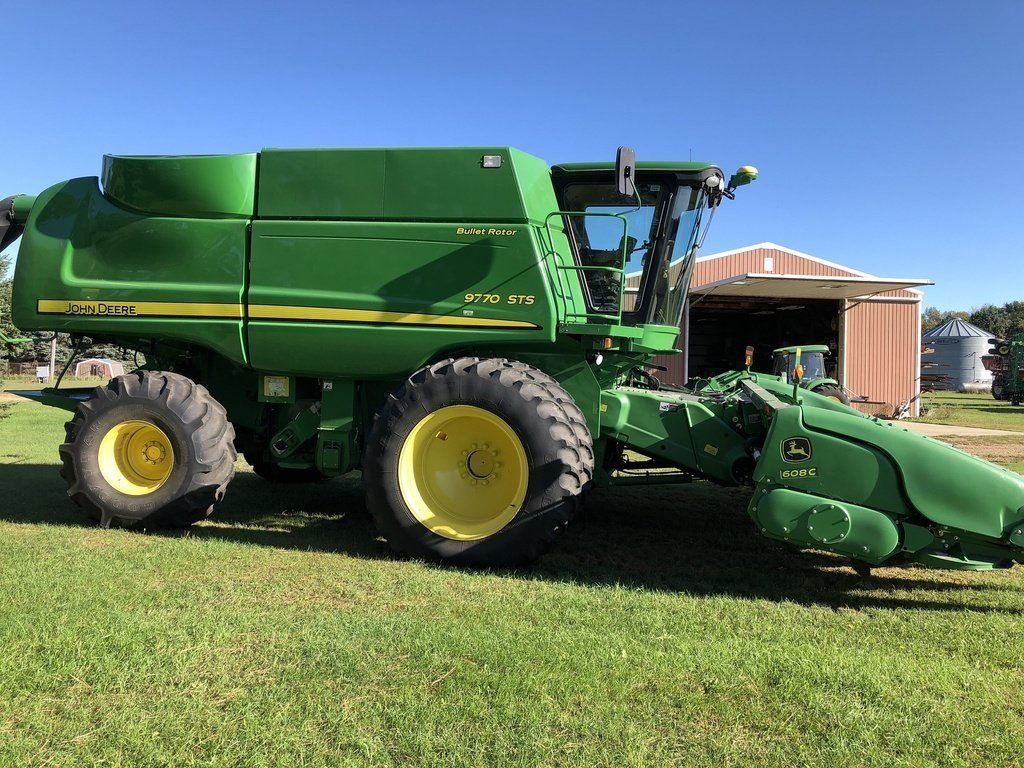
<point x="451" y="321"/>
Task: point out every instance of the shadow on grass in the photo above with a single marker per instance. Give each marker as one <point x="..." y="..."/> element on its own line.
<point x="694" y="539"/>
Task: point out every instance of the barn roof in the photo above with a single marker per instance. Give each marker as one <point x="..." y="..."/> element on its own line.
<point x="956" y="329"/>
<point x="852" y="283"/>
<point x="807" y="286"/>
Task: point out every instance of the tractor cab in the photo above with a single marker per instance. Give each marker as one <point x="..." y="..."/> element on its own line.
<point x="811" y="374"/>
<point x="812" y="359"/>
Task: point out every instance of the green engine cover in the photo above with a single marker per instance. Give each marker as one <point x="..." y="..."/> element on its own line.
<point x="213" y="186"/>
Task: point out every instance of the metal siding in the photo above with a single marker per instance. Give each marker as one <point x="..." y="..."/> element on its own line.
<point x="879" y="336"/>
<point x="881" y="351"/>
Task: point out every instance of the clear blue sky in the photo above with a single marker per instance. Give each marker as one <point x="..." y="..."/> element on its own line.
<point x="890" y="136"/>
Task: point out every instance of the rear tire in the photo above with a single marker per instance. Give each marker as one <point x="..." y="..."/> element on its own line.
<point x="476" y="463"/>
<point x="833" y="392"/>
<point x="148" y="450"/>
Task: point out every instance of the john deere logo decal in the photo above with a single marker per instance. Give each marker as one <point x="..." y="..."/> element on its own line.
<point x="796" y="449"/>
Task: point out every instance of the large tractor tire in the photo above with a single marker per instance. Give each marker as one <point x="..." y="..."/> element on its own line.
<point x="572" y="411"/>
<point x="476" y="462"/>
<point x="148" y="450"/>
<point x="998" y="388"/>
<point x="833" y="392"/>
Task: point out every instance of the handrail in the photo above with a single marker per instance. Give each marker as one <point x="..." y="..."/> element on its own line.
<point x="616" y="317"/>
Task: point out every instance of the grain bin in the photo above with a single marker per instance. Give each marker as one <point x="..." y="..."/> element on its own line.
<point x="952" y="355"/>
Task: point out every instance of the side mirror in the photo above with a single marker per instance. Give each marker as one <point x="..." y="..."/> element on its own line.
<point x="625" y="171"/>
<point x="743" y="176"/>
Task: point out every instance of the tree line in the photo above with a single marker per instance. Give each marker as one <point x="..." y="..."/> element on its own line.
<point x="1003" y="321"/>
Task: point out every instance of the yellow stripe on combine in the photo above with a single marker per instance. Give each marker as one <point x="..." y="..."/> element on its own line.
<point x="330" y="314"/>
<point x="137" y="308"/>
<point x="264" y="312"/>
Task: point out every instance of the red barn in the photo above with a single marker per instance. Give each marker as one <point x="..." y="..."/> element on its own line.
<point x="771" y="296"/>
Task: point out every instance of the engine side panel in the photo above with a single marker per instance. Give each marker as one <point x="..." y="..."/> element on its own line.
<point x="378" y="299"/>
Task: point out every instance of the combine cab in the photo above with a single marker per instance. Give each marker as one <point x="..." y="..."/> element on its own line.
<point x="451" y="322"/>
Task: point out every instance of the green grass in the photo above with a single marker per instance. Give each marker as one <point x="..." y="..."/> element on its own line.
<point x="661" y="631"/>
<point x="971" y="411"/>
<point x="8" y="383"/>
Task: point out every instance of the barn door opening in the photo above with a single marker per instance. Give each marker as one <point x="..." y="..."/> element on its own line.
<point x="720" y="327"/>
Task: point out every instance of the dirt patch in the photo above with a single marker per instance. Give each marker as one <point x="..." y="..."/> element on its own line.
<point x="1001" y="450"/>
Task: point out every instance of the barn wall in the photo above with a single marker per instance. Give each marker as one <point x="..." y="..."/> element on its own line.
<point x="714" y="268"/>
<point x="881" y="338"/>
<point x="882" y="348"/>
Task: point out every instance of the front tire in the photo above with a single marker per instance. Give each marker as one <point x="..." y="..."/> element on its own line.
<point x="833" y="392"/>
<point x="477" y="463"/>
<point x="148" y="450"/>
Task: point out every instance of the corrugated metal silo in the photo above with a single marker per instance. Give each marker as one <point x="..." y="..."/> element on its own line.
<point x="952" y="356"/>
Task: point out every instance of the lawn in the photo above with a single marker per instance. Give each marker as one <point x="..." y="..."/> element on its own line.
<point x="8" y="383"/>
<point x="662" y="630"/>
<point x="971" y="411"/>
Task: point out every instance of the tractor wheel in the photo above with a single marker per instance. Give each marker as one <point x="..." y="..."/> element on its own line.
<point x="576" y="418"/>
<point x="833" y="392"/>
<point x="148" y="450"/>
<point x="476" y="462"/>
<point x="275" y="473"/>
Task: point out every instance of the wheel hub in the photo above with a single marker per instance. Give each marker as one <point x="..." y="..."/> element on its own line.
<point x="481" y="462"/>
<point x="463" y="472"/>
<point x="136" y="457"/>
<point x="153" y="452"/>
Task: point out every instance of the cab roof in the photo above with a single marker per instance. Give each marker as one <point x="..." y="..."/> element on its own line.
<point x="802" y="348"/>
<point x="675" y="166"/>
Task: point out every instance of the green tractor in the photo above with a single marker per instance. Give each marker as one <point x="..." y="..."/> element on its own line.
<point x="452" y="323"/>
<point x="806" y="364"/>
<point x="1006" y="362"/>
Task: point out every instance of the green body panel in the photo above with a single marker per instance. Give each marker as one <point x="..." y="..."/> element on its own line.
<point x="955" y="510"/>
<point x="416" y="184"/>
<point x="677" y="427"/>
<point x="978" y="496"/>
<point x="813" y="521"/>
<point x="336" y="449"/>
<point x="203" y="186"/>
<point x="79" y="247"/>
<point x="393" y="267"/>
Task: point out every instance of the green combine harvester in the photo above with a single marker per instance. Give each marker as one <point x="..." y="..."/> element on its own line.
<point x="452" y="323"/>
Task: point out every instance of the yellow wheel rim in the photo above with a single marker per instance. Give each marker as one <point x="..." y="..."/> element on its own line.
<point x="463" y="472"/>
<point x="136" y="457"/>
